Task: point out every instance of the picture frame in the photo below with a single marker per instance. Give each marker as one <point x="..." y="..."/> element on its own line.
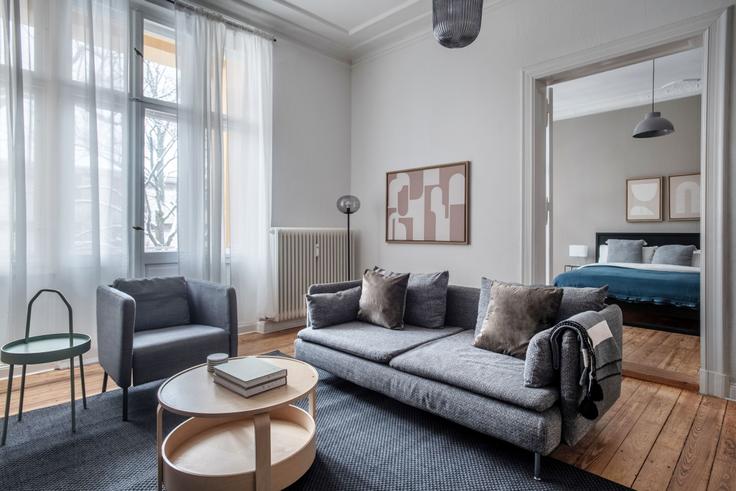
<point x="683" y="203"/>
<point x="644" y="199"/>
<point x="428" y="205"/>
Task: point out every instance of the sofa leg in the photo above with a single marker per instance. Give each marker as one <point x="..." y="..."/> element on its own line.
<point x="125" y="404"/>
<point x="104" y="382"/>
<point x="537" y="466"/>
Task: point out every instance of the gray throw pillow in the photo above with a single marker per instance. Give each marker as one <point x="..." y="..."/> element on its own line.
<point x="538" y="368"/>
<point x="483" y="302"/>
<point x="426" y="298"/>
<point x="516" y="314"/>
<point x="577" y="300"/>
<point x="680" y="255"/>
<point x="625" y="251"/>
<point x="328" y="309"/>
<point x="159" y="302"/>
<point x="383" y="299"/>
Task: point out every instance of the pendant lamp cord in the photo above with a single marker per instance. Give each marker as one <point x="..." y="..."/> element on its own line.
<point x="652" y="84"/>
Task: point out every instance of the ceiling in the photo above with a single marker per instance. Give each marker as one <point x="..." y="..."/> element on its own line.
<point x="344" y="29"/>
<point x="676" y="76"/>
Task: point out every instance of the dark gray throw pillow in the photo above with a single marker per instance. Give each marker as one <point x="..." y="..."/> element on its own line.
<point x="680" y="255"/>
<point x="383" y="299"/>
<point x="328" y="309"/>
<point x="516" y="314"/>
<point x="625" y="251"/>
<point x="426" y="298"/>
<point x="159" y="302"/>
<point x="577" y="300"/>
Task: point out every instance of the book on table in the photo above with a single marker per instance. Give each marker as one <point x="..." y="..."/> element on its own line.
<point x="258" y="389"/>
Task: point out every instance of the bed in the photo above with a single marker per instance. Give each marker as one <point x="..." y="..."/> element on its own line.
<point x="657" y="296"/>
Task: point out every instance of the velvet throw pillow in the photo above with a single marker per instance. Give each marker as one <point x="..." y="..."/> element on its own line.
<point x="516" y="314"/>
<point x="426" y="298"/>
<point x="328" y="309"/>
<point x="383" y="299"/>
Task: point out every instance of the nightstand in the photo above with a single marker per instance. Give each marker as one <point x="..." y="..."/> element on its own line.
<point x="570" y="267"/>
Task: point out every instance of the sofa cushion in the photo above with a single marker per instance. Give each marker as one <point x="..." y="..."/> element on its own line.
<point x="577" y="300"/>
<point x="328" y="309"/>
<point x="373" y="342"/>
<point x="426" y="297"/>
<point x="161" y="353"/>
<point x="383" y="299"/>
<point x="455" y="361"/>
<point x="159" y="302"/>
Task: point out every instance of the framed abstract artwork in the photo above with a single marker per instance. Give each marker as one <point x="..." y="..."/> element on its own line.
<point x="684" y="197"/>
<point x="644" y="199"/>
<point x="428" y="205"/>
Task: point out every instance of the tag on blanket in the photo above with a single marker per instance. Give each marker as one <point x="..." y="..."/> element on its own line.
<point x="599" y="333"/>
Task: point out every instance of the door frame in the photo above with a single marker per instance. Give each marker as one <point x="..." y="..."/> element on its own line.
<point x="713" y="31"/>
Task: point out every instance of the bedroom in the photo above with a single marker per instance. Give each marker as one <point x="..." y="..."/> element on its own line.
<point x="619" y="200"/>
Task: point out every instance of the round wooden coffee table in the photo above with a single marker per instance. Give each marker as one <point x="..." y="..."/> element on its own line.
<point x="232" y="442"/>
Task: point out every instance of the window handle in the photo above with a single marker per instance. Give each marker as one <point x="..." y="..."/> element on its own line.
<point x="137" y="228"/>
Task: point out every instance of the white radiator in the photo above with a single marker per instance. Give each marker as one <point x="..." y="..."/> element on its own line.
<point x="305" y="256"/>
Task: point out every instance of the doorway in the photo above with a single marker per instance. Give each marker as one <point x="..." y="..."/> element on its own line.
<point x="712" y="33"/>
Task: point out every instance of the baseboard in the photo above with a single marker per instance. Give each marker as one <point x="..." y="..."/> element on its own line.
<point x="716" y="384"/>
<point x="266" y="327"/>
<point x="732" y="395"/>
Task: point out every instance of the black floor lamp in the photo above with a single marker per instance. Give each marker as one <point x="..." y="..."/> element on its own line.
<point x="348" y="204"/>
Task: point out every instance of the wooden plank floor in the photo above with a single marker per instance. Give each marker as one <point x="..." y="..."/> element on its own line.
<point x="662" y="357"/>
<point x="655" y="437"/>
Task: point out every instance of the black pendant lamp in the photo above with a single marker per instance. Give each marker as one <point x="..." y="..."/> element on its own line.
<point x="653" y="123"/>
<point x="456" y="23"/>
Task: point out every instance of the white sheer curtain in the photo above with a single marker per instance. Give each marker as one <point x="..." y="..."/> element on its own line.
<point x="63" y="157"/>
<point x="225" y="133"/>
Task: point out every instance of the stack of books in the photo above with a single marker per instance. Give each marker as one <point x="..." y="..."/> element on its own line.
<point x="249" y="376"/>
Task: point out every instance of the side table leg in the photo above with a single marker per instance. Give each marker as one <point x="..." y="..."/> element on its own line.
<point x="71" y="380"/>
<point x="313" y="403"/>
<point x="22" y="393"/>
<point x="7" y="403"/>
<point x="159" y="443"/>
<point x="81" y="375"/>
<point x="262" y="424"/>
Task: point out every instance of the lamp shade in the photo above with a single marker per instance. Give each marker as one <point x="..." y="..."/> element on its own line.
<point x="348" y="204"/>
<point x="578" y="251"/>
<point x="456" y="23"/>
<point x="653" y="125"/>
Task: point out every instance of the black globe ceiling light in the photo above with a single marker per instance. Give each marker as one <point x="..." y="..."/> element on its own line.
<point x="456" y="23"/>
<point x="653" y="123"/>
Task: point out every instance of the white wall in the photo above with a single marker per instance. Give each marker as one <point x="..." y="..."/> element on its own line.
<point x="421" y="103"/>
<point x="593" y="157"/>
<point x="311" y="137"/>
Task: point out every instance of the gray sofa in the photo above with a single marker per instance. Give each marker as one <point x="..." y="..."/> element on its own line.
<point x="440" y="371"/>
<point x="150" y="329"/>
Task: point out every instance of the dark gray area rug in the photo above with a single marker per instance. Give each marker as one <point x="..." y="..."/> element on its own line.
<point x="365" y="441"/>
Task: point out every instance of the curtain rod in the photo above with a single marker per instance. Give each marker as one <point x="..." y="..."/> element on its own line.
<point x="223" y="18"/>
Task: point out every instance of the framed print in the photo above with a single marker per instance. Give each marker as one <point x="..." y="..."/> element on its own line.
<point x="684" y="197"/>
<point x="428" y="205"/>
<point x="644" y="199"/>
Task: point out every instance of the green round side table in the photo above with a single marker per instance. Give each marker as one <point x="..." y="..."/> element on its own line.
<point x="47" y="348"/>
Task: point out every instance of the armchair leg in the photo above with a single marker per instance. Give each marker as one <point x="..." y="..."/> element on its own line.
<point x="537" y="466"/>
<point x="104" y="383"/>
<point x="125" y="404"/>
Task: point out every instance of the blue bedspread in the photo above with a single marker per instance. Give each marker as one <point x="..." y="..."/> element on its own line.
<point x="638" y="285"/>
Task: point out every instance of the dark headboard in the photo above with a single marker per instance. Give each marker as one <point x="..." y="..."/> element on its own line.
<point x="652" y="239"/>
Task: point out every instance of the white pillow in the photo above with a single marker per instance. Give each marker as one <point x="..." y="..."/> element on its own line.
<point x="647" y="253"/>
<point x="603" y="253"/>
<point x="697" y="257"/>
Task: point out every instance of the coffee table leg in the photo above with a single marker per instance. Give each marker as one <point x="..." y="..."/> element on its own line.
<point x="7" y="403"/>
<point x="313" y="404"/>
<point x="159" y="443"/>
<point x="262" y="423"/>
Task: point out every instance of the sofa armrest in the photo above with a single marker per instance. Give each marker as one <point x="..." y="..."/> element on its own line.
<point x="213" y="304"/>
<point x="115" y="330"/>
<point x="333" y="287"/>
<point x="574" y="426"/>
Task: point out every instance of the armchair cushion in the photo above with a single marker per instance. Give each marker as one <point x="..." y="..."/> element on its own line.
<point x="160" y="353"/>
<point x="159" y="302"/>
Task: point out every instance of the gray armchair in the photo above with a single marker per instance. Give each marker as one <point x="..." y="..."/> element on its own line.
<point x="150" y="329"/>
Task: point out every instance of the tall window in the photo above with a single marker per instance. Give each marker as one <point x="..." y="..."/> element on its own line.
<point x="154" y="90"/>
